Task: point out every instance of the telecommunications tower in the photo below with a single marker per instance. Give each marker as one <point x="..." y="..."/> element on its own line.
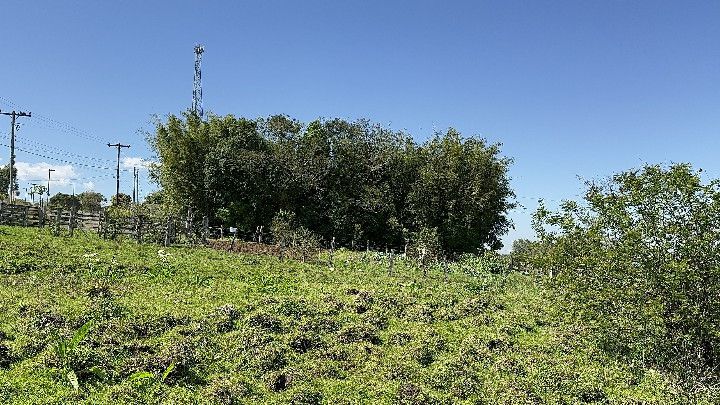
<point x="197" y="105"/>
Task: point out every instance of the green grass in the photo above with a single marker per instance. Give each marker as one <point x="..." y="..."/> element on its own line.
<point x="195" y="325"/>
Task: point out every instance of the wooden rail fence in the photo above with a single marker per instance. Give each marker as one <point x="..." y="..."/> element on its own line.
<point x="141" y="227"/>
<point x="33" y="216"/>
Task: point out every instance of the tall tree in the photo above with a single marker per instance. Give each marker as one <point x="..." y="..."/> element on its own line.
<point x="91" y="201"/>
<point x="121" y="200"/>
<point x="5" y="180"/>
<point x="463" y="191"/>
<point x="64" y="201"/>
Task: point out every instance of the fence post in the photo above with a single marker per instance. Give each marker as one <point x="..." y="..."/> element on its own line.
<point x="138" y="228"/>
<point x="391" y="262"/>
<point x="234" y="231"/>
<point x="331" y="253"/>
<point x="205" y="229"/>
<point x="100" y="222"/>
<point x="25" y="220"/>
<point x="188" y="223"/>
<point x="168" y="231"/>
<point x="41" y="217"/>
<point x="71" y="222"/>
<point x="106" y="223"/>
<point x="58" y="218"/>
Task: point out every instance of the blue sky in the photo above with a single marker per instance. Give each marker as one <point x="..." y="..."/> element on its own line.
<point x="572" y="89"/>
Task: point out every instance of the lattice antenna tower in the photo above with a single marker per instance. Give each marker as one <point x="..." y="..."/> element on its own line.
<point x="197" y="105"/>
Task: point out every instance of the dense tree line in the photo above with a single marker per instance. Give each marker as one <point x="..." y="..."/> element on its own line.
<point x="354" y="181"/>
<point x="88" y="201"/>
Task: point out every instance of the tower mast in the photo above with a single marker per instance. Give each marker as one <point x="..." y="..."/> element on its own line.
<point x="197" y="106"/>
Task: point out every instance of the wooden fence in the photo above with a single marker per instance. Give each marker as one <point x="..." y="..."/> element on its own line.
<point x="140" y="227"/>
<point x="26" y="215"/>
<point x="143" y="228"/>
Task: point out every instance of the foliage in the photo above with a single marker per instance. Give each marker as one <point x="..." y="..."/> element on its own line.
<point x="427" y="243"/>
<point x="37" y="190"/>
<point x="639" y="263"/>
<point x="354" y="181"/>
<point x="91" y="201"/>
<point x="463" y="191"/>
<point x="5" y="180"/>
<point x="524" y="251"/>
<point x="288" y="234"/>
<point x="64" y="201"/>
<point x="265" y="331"/>
<point x="65" y="350"/>
<point x="121" y="200"/>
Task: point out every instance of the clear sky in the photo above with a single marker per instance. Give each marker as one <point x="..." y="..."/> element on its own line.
<point x="571" y="88"/>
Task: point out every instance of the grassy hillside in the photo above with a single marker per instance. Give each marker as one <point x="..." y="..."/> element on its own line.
<point x="195" y="325"/>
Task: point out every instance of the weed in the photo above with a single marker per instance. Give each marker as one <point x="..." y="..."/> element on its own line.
<point x="65" y="350"/>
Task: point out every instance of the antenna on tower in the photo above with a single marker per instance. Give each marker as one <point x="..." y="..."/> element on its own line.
<point x="197" y="105"/>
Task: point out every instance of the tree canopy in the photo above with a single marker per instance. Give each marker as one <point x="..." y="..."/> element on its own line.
<point x="64" y="201"/>
<point x="121" y="200"/>
<point x="91" y="201"/>
<point x="5" y="181"/>
<point x="355" y="181"/>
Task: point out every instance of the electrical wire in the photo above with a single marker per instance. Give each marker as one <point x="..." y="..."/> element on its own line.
<point x="58" y="151"/>
<point x="52" y="123"/>
<point x="63" y="160"/>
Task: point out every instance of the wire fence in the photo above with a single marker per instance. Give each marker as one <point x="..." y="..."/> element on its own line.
<point x="173" y="230"/>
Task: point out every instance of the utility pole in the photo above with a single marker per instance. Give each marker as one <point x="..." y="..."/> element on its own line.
<point x="137" y="186"/>
<point x="117" y="173"/>
<point x="48" y="190"/>
<point x="14" y="114"/>
<point x="134" y="196"/>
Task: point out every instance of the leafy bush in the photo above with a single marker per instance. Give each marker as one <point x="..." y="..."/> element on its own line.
<point x="297" y="238"/>
<point x="639" y="263"/>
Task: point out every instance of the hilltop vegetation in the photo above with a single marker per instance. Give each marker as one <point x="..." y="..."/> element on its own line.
<point x="131" y="323"/>
<point x="352" y="181"/>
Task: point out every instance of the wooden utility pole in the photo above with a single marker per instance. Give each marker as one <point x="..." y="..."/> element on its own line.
<point x="48" y="190"/>
<point x="133" y="194"/>
<point x="117" y="173"/>
<point x="14" y="114"/>
<point x="136" y="186"/>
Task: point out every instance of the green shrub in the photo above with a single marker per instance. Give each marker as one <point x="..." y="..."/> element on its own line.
<point x="639" y="263"/>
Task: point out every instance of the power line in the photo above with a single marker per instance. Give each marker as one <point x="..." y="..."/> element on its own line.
<point x="77" y="178"/>
<point x="52" y="123"/>
<point x="70" y="162"/>
<point x="58" y="151"/>
<point x="48" y="154"/>
<point x="69" y="129"/>
<point x="42" y="149"/>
